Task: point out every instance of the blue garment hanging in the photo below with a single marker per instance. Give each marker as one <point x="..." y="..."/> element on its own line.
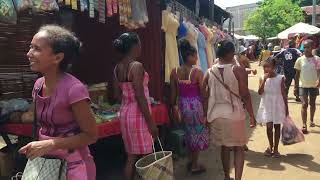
<point x="202" y="52"/>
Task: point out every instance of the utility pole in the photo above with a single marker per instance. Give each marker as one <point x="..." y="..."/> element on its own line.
<point x="314" y="13"/>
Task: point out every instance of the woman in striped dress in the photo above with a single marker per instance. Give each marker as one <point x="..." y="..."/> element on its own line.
<point x="131" y="87"/>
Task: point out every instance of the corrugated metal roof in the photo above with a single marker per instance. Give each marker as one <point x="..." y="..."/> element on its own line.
<point x="308" y="9"/>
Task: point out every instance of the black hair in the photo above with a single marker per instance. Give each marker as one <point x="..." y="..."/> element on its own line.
<point x="271" y="61"/>
<point x="126" y="42"/>
<point x="291" y="43"/>
<point x="63" y="41"/>
<point x="224" y="47"/>
<point x="186" y="49"/>
<point x="308" y="41"/>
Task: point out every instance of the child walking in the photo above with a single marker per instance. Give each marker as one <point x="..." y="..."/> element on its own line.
<point x="273" y="107"/>
<point x="186" y="86"/>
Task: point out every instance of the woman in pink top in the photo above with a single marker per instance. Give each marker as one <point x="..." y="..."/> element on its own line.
<point x="66" y="123"/>
<point x="131" y="88"/>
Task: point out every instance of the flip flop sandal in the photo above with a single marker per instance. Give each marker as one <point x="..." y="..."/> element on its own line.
<point x="312" y="124"/>
<point x="304" y="130"/>
<point x="277" y="155"/>
<point x="268" y="152"/>
<point x="198" y="171"/>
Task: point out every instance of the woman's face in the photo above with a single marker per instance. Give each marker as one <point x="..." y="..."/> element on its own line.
<point x="41" y="56"/>
<point x="268" y="68"/>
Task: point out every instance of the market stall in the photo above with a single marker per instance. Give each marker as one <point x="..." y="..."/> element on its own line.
<point x="299" y="28"/>
<point x="96" y="27"/>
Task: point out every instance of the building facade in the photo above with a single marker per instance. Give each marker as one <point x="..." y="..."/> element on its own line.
<point x="239" y="15"/>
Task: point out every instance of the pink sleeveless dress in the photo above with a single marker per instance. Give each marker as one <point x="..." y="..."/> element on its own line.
<point x="134" y="129"/>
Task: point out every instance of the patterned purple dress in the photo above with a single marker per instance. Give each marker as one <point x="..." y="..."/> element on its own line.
<point x="191" y="108"/>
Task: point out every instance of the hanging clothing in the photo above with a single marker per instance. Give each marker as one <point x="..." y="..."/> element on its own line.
<point x="190" y="104"/>
<point x="134" y="129"/>
<point x="170" y="26"/>
<point x="192" y="37"/>
<point x="209" y="37"/>
<point x="225" y="111"/>
<point x="125" y="12"/>
<point x="139" y="14"/>
<point x="272" y="107"/>
<point x="202" y="52"/>
<point x="182" y="32"/>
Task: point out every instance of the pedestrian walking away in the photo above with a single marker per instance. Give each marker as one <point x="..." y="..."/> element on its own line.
<point x="226" y="91"/>
<point x="186" y="86"/>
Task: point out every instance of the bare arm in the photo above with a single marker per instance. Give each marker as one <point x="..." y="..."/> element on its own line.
<point x="262" y="82"/>
<point x="284" y="95"/>
<point x="173" y="89"/>
<point x="242" y="77"/>
<point x="87" y="135"/>
<point x="137" y="81"/>
<point x="116" y="90"/>
<point x="88" y="129"/>
<point x="205" y="93"/>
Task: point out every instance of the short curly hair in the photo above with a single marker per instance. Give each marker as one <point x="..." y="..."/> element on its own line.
<point x="63" y="41"/>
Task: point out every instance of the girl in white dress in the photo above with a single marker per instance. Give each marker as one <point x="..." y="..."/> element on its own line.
<point x="273" y="107"/>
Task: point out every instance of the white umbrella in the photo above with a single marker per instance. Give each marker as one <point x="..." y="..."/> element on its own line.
<point x="272" y="38"/>
<point x="299" y="28"/>
<point x="237" y="36"/>
<point x="251" y="37"/>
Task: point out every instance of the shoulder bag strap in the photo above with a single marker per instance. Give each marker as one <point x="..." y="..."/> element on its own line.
<point x="225" y="86"/>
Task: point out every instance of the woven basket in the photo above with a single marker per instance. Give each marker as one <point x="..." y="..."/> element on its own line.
<point x="156" y="166"/>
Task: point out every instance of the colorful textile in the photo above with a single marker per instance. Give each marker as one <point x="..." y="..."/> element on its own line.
<point x="134" y="129"/>
<point x="202" y="52"/>
<point x="197" y="134"/>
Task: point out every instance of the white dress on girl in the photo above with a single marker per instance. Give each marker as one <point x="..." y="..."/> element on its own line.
<point x="272" y="106"/>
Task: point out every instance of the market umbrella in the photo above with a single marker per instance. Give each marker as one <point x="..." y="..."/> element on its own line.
<point x="299" y="28"/>
<point x="251" y="37"/>
<point x="237" y="36"/>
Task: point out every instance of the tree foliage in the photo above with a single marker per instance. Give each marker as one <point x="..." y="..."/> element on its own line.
<point x="272" y="17"/>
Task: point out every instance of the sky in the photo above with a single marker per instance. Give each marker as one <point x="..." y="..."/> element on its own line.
<point x="229" y="3"/>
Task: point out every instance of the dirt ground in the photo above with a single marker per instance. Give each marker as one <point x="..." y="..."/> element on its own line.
<point x="296" y="163"/>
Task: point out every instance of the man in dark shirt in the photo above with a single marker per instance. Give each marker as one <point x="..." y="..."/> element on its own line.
<point x="289" y="57"/>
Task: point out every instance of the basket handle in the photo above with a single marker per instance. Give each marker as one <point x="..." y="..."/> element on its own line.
<point x="154" y="149"/>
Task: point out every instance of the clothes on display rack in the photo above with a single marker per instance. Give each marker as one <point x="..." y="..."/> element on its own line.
<point x="170" y="26"/>
<point x="182" y="33"/>
<point x="192" y="37"/>
<point x="202" y="52"/>
<point x="139" y="14"/>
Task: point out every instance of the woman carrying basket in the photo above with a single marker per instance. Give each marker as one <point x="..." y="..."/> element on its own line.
<point x="131" y="88"/>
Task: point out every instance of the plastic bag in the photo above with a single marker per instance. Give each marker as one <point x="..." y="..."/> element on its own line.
<point x="45" y="5"/>
<point x="8" y="12"/>
<point x="290" y="133"/>
<point x="23" y="5"/>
